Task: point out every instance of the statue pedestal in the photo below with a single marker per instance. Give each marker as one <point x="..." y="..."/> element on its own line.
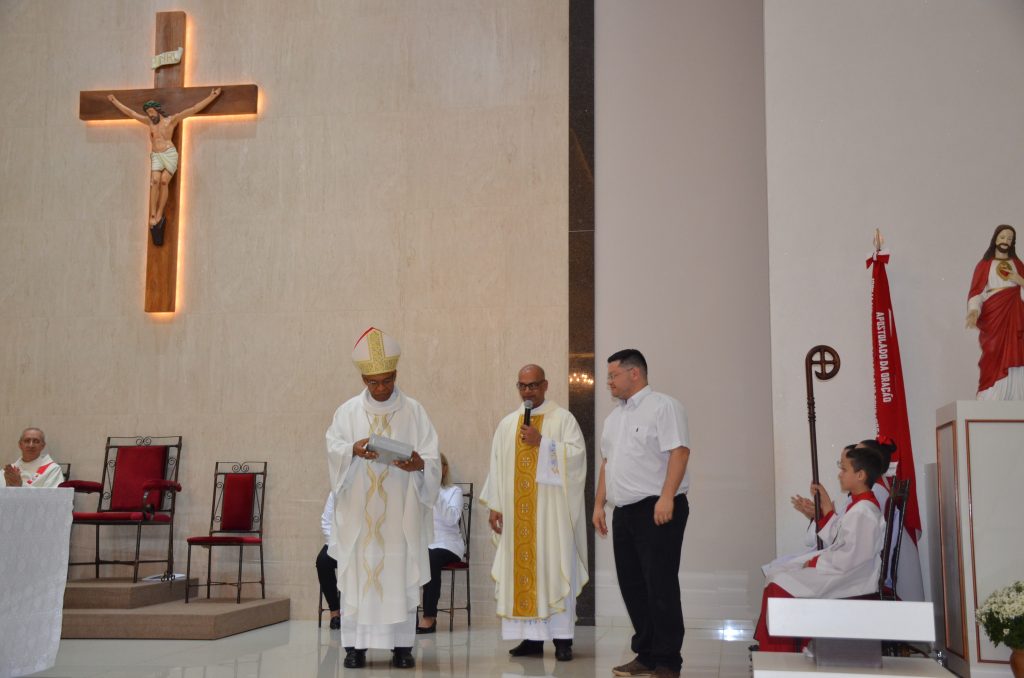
<point x="980" y="478"/>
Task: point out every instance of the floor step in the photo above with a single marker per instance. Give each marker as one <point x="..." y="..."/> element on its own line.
<point x="122" y="594"/>
<point x="200" y="619"/>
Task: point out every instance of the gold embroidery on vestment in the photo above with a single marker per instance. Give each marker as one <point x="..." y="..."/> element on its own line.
<point x="524" y="521"/>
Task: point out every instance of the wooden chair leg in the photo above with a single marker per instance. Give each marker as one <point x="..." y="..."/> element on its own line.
<point x="469" y="604"/>
<point x="209" y="564"/>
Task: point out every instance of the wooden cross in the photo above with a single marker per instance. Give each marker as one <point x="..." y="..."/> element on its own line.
<point x="169" y="89"/>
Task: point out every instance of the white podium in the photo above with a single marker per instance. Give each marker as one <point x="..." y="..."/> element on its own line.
<point x="35" y="530"/>
<point x="980" y="476"/>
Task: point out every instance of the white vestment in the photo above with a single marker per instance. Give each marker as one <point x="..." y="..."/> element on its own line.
<point x="383" y="520"/>
<point x="561" y="537"/>
<point x="848" y="566"/>
<point x="42" y="472"/>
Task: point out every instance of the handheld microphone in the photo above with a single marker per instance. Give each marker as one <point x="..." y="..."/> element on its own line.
<point x="528" y="404"/>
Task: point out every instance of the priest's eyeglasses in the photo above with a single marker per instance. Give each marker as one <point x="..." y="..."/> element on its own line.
<point x="529" y="386"/>
<point x="374" y="383"/>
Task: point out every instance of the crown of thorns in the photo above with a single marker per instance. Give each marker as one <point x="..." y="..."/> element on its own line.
<point x="152" y="104"/>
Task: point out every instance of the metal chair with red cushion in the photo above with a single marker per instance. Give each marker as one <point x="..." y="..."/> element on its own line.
<point x="139" y="488"/>
<point x="236" y="519"/>
<point x="465" y="527"/>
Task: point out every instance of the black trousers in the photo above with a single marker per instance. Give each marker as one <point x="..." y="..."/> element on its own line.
<point x="327" y="573"/>
<point x="647" y="565"/>
<point x="432" y="589"/>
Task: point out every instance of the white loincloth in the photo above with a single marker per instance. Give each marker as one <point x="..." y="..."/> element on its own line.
<point x="164" y="160"/>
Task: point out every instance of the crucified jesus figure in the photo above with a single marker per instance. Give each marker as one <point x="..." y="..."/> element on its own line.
<point x="163" y="155"/>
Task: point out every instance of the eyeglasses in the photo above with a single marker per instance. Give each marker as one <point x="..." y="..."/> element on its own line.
<point x="32" y="441"/>
<point x="530" y="386"/>
<point x="373" y="383"/>
<point x="612" y="376"/>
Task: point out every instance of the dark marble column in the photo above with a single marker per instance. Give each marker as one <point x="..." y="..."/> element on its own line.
<point x="582" y="376"/>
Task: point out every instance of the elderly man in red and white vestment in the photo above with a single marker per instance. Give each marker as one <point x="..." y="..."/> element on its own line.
<point x="995" y="307"/>
<point x="34" y="469"/>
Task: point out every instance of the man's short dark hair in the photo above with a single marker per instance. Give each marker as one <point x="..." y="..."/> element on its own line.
<point x="868" y="459"/>
<point x="629" y="357"/>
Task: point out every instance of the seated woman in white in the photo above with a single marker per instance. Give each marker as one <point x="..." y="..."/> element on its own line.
<point x="447" y="547"/>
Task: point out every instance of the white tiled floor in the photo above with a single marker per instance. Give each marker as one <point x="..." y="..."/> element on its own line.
<point x="299" y="648"/>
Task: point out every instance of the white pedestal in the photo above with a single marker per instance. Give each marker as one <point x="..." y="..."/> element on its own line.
<point x="794" y="665"/>
<point x="980" y="474"/>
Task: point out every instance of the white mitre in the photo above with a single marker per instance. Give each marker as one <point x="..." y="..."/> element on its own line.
<point x="376" y="352"/>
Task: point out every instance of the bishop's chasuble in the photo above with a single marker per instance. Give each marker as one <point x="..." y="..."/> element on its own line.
<point x="383" y="520"/>
<point x="541" y="561"/>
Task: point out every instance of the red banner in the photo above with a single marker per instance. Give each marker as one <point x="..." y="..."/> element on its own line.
<point x="890" y="398"/>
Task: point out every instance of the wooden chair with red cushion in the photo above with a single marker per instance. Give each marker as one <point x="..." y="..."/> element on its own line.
<point x="139" y="488"/>
<point x="236" y="519"/>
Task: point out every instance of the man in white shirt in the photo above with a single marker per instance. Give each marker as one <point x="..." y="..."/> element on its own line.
<point x="645" y="445"/>
<point x="34" y="469"/>
<point x="534" y="491"/>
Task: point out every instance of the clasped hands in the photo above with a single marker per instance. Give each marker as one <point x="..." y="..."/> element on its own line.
<point x="806" y="506"/>
<point x="413" y="463"/>
<point x="12" y="476"/>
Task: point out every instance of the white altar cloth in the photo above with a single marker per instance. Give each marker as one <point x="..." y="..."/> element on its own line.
<point x="35" y="532"/>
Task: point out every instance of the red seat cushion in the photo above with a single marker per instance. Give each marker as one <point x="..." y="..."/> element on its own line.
<point x="460" y="565"/>
<point x="237" y="511"/>
<point x="135" y="466"/>
<point x="219" y="540"/>
<point x="105" y="516"/>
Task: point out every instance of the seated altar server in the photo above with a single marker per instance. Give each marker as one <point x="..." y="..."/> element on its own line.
<point x="383" y="513"/>
<point x="34" y="468"/>
<point x="849" y="564"/>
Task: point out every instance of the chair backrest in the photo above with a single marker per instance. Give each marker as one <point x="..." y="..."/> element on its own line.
<point x="130" y="463"/>
<point x="893" y="538"/>
<point x="65" y="469"/>
<point x="238" y="492"/>
<point x="466" y="521"/>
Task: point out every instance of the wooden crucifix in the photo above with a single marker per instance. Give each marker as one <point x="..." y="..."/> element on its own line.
<point x="178" y="101"/>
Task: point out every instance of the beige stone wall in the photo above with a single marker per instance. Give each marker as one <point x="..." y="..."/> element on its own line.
<point x="407" y="169"/>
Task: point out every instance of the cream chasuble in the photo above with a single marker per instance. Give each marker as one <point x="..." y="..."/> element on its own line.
<point x="541" y="559"/>
<point x="383" y="518"/>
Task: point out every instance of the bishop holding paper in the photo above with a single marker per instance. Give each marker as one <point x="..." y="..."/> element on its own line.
<point x="383" y="518"/>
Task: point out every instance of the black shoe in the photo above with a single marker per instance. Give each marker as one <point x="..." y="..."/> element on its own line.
<point x="528" y="648"/>
<point x="354" y="659"/>
<point x="335" y="623"/>
<point x="563" y="649"/>
<point x="157" y="231"/>
<point x="401" y="658"/>
<point x="754" y="648"/>
<point x="427" y="629"/>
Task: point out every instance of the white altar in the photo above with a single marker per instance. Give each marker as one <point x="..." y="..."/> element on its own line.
<point x="35" y="531"/>
<point x="980" y="477"/>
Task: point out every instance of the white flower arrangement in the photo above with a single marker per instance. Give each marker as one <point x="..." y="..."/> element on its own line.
<point x="1002" y="616"/>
